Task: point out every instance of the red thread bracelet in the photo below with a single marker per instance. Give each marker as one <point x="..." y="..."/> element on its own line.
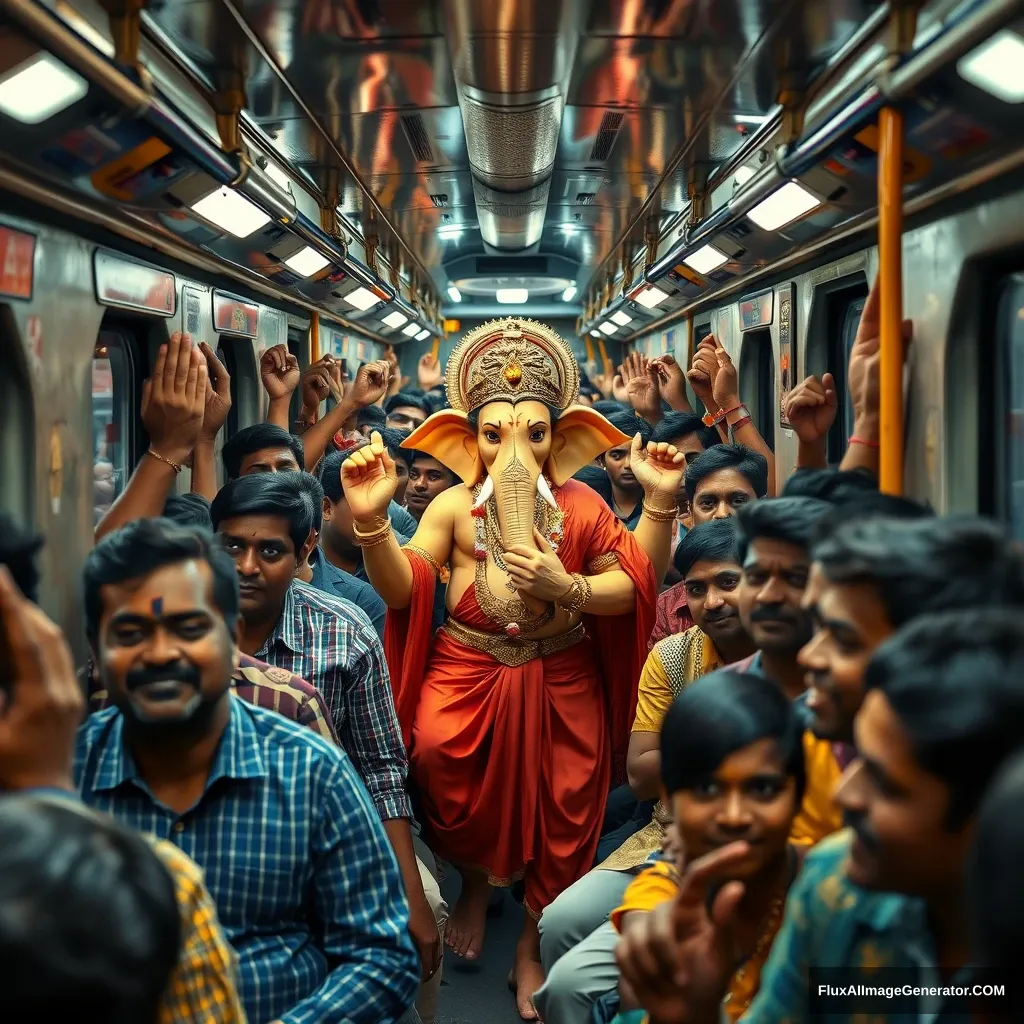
<point x="867" y="444"/>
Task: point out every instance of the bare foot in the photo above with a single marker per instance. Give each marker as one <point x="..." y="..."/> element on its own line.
<point x="467" y="922"/>
<point x="527" y="976"/>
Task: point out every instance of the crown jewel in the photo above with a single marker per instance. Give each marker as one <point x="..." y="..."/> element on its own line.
<point x="512" y="360"/>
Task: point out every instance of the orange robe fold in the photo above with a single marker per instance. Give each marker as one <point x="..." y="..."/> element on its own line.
<point x="514" y="764"/>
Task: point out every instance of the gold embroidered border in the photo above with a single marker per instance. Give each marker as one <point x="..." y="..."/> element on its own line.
<point x="602" y="563"/>
<point x="425" y="555"/>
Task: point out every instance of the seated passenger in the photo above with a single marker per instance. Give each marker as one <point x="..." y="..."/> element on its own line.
<point x="723" y="480"/>
<point x="944" y="710"/>
<point x="577" y="941"/>
<point x="292" y="851"/>
<point x="733" y="769"/>
<point x="406" y="411"/>
<point x="41" y="711"/>
<point x="265" y="524"/>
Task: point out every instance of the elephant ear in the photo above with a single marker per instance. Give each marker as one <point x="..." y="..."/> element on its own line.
<point x="448" y="437"/>
<point x="581" y="434"/>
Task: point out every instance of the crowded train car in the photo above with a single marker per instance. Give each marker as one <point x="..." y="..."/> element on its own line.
<point x="511" y="511"/>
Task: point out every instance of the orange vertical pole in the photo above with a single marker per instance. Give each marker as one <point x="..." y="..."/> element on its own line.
<point x="890" y="273"/>
<point x="314" y="337"/>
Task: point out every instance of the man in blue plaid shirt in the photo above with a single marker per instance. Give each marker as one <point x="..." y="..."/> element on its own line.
<point x="294" y="854"/>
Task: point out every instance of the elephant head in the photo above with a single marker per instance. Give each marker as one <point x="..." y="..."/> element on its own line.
<point x="513" y="447"/>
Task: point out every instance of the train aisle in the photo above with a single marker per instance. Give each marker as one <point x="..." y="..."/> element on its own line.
<point x="480" y="994"/>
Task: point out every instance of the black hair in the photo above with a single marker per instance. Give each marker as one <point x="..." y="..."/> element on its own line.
<point x="145" y="545"/>
<point x="995" y="886"/>
<point x="716" y="541"/>
<point x="18" y="550"/>
<point x="926" y="564"/>
<point x="405" y="398"/>
<point x="596" y="479"/>
<point x="867" y="505"/>
<point x="721" y="713"/>
<point x="330" y="476"/>
<point x="188" y="510"/>
<point x="437" y="398"/>
<point x="371" y="416"/>
<point x="286" y="495"/>
<point x="792" y="520"/>
<point x="631" y="424"/>
<point x="311" y="485"/>
<point x="753" y="465"/>
<point x="254" y="439"/>
<point x="954" y="682"/>
<point x="609" y="407"/>
<point x="90" y="929"/>
<point x="415" y="454"/>
<point x="393" y="438"/>
<point x="832" y="485"/>
<point x="677" y="425"/>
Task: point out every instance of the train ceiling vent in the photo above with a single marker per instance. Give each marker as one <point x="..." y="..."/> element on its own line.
<point x="439" y="199"/>
<point x="585" y="198"/>
<point x="512" y="266"/>
<point x="606" y="136"/>
<point x="419" y="142"/>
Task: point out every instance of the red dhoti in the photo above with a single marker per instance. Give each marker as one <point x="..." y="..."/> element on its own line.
<point x="514" y="763"/>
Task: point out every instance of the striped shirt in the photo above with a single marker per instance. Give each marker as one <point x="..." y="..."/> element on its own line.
<point x="331" y="644"/>
<point x="270" y="688"/>
<point x="306" y="885"/>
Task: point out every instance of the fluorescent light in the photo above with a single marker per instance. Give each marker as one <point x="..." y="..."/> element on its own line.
<point x="743" y="175"/>
<point x="307" y="262"/>
<point x="595" y="334"/>
<point x="232" y="212"/>
<point x="706" y="259"/>
<point x="423" y="334"/>
<point x="38" y="88"/>
<point x="275" y="172"/>
<point x="621" y="318"/>
<point x="569" y="294"/>
<point x="608" y="327"/>
<point x="512" y="296"/>
<point x="362" y="298"/>
<point x="650" y="297"/>
<point x="410" y="329"/>
<point x="450" y="231"/>
<point x="750" y="118"/>
<point x="997" y="66"/>
<point x="783" y="207"/>
<point x="454" y="294"/>
<point x="395" y="319"/>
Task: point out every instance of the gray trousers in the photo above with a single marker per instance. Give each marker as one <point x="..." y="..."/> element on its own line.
<point x="577" y="947"/>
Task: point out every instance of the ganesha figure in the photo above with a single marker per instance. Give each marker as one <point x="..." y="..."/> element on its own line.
<point x="517" y="712"/>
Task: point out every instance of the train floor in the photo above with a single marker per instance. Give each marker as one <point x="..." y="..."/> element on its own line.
<point x="479" y="994"/>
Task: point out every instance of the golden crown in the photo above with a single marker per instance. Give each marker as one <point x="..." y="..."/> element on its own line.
<point x="512" y="360"/>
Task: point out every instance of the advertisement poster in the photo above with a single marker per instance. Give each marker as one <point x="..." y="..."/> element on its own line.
<point x="787" y="367"/>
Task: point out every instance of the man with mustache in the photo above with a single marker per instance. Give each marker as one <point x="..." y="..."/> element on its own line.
<point x="293" y="852"/>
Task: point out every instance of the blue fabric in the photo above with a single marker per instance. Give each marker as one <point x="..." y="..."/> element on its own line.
<point x="606" y="1011"/>
<point x="402" y="520"/>
<point x="338" y="583"/>
<point x="296" y="859"/>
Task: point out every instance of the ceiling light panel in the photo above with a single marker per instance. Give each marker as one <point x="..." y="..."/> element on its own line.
<point x="39" y="88"/>
<point x="783" y="207"/>
<point x="608" y="327"/>
<point x="997" y="66"/>
<point x="621" y="318"/>
<point x="569" y="294"/>
<point x="395" y="319"/>
<point x="650" y="297"/>
<point x="231" y="212"/>
<point x="423" y="334"/>
<point x="512" y="296"/>
<point x="362" y="298"/>
<point x="454" y="294"/>
<point x="411" y="329"/>
<point x="706" y="259"/>
<point x="307" y="262"/>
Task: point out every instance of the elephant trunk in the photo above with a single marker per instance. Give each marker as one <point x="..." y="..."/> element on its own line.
<point x="515" y="494"/>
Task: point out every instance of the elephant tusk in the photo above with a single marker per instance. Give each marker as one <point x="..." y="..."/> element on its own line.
<point x="485" y="493"/>
<point x="545" y="492"/>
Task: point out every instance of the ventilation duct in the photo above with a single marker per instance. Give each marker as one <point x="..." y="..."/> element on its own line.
<point x="512" y="64"/>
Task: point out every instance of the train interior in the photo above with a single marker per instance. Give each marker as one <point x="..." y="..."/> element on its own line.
<point x="348" y="177"/>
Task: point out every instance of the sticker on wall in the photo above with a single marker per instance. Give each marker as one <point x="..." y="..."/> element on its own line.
<point x="191" y="314"/>
<point x="361" y="351"/>
<point x="17" y="262"/>
<point x="56" y="469"/>
<point x="787" y="365"/>
<point x="234" y="316"/>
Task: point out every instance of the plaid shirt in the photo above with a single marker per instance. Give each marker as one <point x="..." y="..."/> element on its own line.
<point x="270" y="688"/>
<point x="307" y="888"/>
<point x="671" y="614"/>
<point x="202" y="987"/>
<point x="332" y="644"/>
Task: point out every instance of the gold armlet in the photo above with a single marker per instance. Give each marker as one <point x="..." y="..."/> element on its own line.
<point x="425" y="555"/>
<point x="577" y="596"/>
<point x="602" y="563"/>
<point x="380" y="534"/>
<point x="660" y="515"/>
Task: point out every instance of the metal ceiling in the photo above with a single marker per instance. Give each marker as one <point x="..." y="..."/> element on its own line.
<point x="601" y="115"/>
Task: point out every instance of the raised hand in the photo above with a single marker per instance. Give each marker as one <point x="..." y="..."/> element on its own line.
<point x="319" y="383"/>
<point x="672" y="383"/>
<point x="725" y="388"/>
<point x="371" y="383"/>
<point x="603" y="383"/>
<point x="862" y="372"/>
<point x="279" y="371"/>
<point x="428" y="371"/>
<point x="811" y="408"/>
<point x="218" y="395"/>
<point x="174" y="399"/>
<point x="678" y="959"/>
<point x="619" y="386"/>
<point x="369" y="480"/>
<point x="642" y="390"/>
<point x="702" y="372"/>
<point x="537" y="572"/>
<point x="658" y="469"/>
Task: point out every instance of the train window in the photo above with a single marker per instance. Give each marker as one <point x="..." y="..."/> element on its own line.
<point x="226" y="354"/>
<point x="298" y="345"/>
<point x="757" y="382"/>
<point x="17" y="430"/>
<point x="1011" y="337"/>
<point x="111" y="418"/>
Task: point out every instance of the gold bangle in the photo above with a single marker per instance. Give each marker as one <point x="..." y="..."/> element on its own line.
<point x="166" y="461"/>
<point x="577" y="596"/>
<point x="372" y="538"/>
<point x="660" y="515"/>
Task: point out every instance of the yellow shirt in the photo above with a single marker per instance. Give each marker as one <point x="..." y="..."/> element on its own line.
<point x="819" y="816"/>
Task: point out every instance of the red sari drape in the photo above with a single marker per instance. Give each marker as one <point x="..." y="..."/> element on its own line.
<point x="514" y="764"/>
